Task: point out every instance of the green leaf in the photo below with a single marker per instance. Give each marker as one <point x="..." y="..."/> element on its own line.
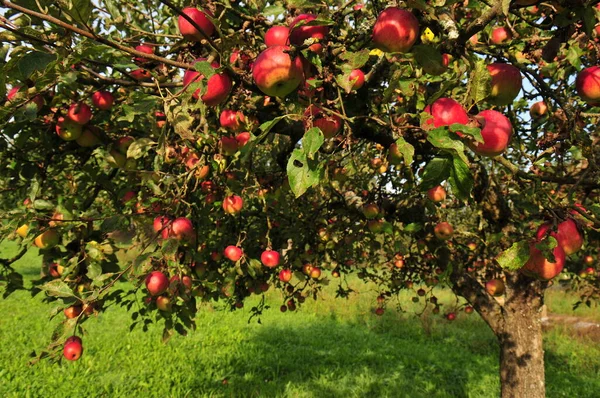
<point x="406" y="149"/>
<point x="474" y="132"/>
<point x="205" y="69"/>
<point x="479" y="86"/>
<point x="354" y="60"/>
<point x="442" y="138"/>
<point x="461" y="179"/>
<point x="574" y="57"/>
<point x="344" y="82"/>
<point x="505" y="6"/>
<point x="302" y="172"/>
<point x="436" y="171"/>
<point x="515" y="257"/>
<point x="94" y="270"/>
<point x="139" y="148"/>
<point x="546" y="246"/>
<point x="40" y="204"/>
<point x="273" y="10"/>
<point x="413" y="227"/>
<point x="312" y="141"/>
<point x="429" y="58"/>
<point x="32" y="62"/>
<point x="79" y="10"/>
<point x="57" y="288"/>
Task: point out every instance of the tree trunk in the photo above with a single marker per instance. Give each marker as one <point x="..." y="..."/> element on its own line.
<point x="521" y="352"/>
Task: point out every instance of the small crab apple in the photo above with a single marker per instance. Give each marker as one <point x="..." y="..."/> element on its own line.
<point x="371" y="211"/>
<point x="270" y="258"/>
<point x="162" y="224"/>
<point x="330" y="125"/>
<point x="217" y="87"/>
<point x="501" y="35"/>
<point x="232" y="120"/>
<point x="242" y="139"/>
<point x="233" y="253"/>
<point x="163" y="303"/>
<point x="182" y="229"/>
<point x="587" y="84"/>
<point x="67" y="129"/>
<point x="538" y="109"/>
<point x="437" y="194"/>
<point x="73" y="311"/>
<point x="495" y="287"/>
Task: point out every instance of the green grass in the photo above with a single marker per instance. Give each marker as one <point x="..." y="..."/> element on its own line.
<point x="329" y="348"/>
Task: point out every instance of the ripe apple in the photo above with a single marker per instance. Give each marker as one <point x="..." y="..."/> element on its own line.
<point x="277" y="36"/>
<point x="501" y="35"/>
<point x="437" y="194"/>
<point x="446" y="60"/>
<point x="229" y="146"/>
<point x="13" y="94"/>
<point x="375" y="226"/>
<point x="162" y="224"/>
<point x="156" y="283"/>
<point x="73" y="311"/>
<point x="315" y="272"/>
<point x="446" y="111"/>
<point x="307" y="268"/>
<point x="67" y="129"/>
<point x="496" y="131"/>
<point x="371" y="211"/>
<point x="298" y="34"/>
<point x="443" y="231"/>
<point x="188" y="30"/>
<point x="276" y="73"/>
<point x="233" y="204"/>
<point x="103" y="100"/>
<point x="379" y="311"/>
<point x="217" y="88"/>
<point x="357" y="77"/>
<point x="469" y="309"/>
<point x="55" y="270"/>
<point x="242" y="139"/>
<point x="285" y="275"/>
<point x="506" y="83"/>
<point x="395" y="30"/>
<point x="47" y="239"/>
<point x="183" y="229"/>
<point x="451" y="316"/>
<point x="568" y="235"/>
<point x="73" y="348"/>
<point x="88" y="138"/>
<point x="232" y="120"/>
<point x="495" y="287"/>
<point x="144" y="48"/>
<point x="330" y="125"/>
<point x="589" y="260"/>
<point x="539" y="267"/>
<point x="80" y="113"/>
<point x="140" y="74"/>
<point x="270" y="258"/>
<point x="233" y="253"/>
<point x="538" y="109"/>
<point x="163" y="303"/>
<point x="588" y="84"/>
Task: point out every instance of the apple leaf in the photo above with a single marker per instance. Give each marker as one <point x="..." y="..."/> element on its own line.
<point x="354" y="60"/>
<point x="205" y="69"/>
<point x="429" y="58"/>
<point x="78" y="10"/>
<point x="32" y="62"/>
<point x="441" y="138"/>
<point x="302" y="172"/>
<point x="574" y="57"/>
<point x="413" y="227"/>
<point x="57" y="288"/>
<point x="461" y="179"/>
<point x="406" y="149"/>
<point x="479" y="86"/>
<point x="474" y="132"/>
<point x="546" y="246"/>
<point x="312" y="141"/>
<point x="344" y="82"/>
<point x="40" y="204"/>
<point x="506" y="6"/>
<point x="139" y="148"/>
<point x="94" y="270"/>
<point x="436" y="171"/>
<point x="515" y="257"/>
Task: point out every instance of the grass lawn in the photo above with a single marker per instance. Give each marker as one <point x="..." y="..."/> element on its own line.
<point x="329" y="348"/>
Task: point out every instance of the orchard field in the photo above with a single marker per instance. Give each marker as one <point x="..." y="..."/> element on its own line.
<point x="329" y="348"/>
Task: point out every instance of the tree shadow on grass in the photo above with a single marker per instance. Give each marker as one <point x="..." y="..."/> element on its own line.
<point x="329" y="358"/>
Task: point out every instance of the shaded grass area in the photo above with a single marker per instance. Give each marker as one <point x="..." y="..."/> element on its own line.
<point x="329" y="348"/>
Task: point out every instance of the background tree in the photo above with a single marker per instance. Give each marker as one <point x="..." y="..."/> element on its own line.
<point x="414" y="144"/>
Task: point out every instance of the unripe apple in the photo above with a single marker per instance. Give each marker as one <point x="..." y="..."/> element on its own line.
<point x="22" y="230"/>
<point x="270" y="258"/>
<point x="445" y="112"/>
<point x="357" y="77"/>
<point x="298" y="34"/>
<point x="285" y="275"/>
<point x="183" y="229"/>
<point x="395" y="30"/>
<point x="437" y="194"/>
<point x="539" y="267"/>
<point x="443" y="231"/>
<point x="538" y="109"/>
<point x="217" y="88"/>
<point x="233" y="204"/>
<point x="371" y="211"/>
<point x="88" y="138"/>
<point x="163" y="303"/>
<point x="103" y="100"/>
<point x="568" y="235"/>
<point x="73" y="348"/>
<point x="47" y="239"/>
<point x="67" y="129"/>
<point x="156" y="283"/>
<point x="276" y="73"/>
<point x="495" y="287"/>
<point x="277" y="36"/>
<point x="80" y="113"/>
<point x="144" y="48"/>
<point x="501" y="35"/>
<point x="506" y="83"/>
<point x="233" y="253"/>
<point x="73" y="311"/>
<point x="496" y="131"/>
<point x="232" y="120"/>
<point x="188" y="30"/>
<point x="588" y="85"/>
<point x="375" y="226"/>
<point x="123" y="144"/>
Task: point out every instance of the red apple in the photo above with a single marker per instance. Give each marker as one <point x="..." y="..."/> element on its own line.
<point x="395" y="30"/>
<point x="357" y="77"/>
<point x="183" y="229"/>
<point x="588" y="84"/>
<point x="437" y="194"/>
<point x="443" y="231"/>
<point x="242" y="138"/>
<point x="232" y="120"/>
<point x="102" y="100"/>
<point x="330" y="125"/>
<point x="277" y="36"/>
<point x="506" y="83"/>
<point x="468" y="309"/>
<point x="451" y="316"/>
<point x="188" y="30"/>
<point x="495" y="287"/>
<point x="298" y="34"/>
<point x="80" y="113"/>
<point x="315" y="272"/>
<point x="217" y="88"/>
<point x="73" y="311"/>
<point x="233" y="204"/>
<point x="233" y="253"/>
<point x="162" y="224"/>
<point x="140" y="74"/>
<point x="276" y="73"/>
<point x="567" y="235"/>
<point x="38" y="100"/>
<point x="496" y="131"/>
<point x="144" y="48"/>
<point x="55" y="270"/>
<point x="156" y="283"/>
<point x="539" y="267"/>
<point x="163" y="303"/>
<point x="67" y="129"/>
<point x="270" y="258"/>
<point x="371" y="211"/>
<point x="229" y="145"/>
<point x="73" y="348"/>
<point x="285" y="275"/>
<point x="538" y="109"/>
<point x="501" y="35"/>
<point x="445" y="60"/>
<point x="445" y="112"/>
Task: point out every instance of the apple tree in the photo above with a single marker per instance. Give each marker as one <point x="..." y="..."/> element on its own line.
<point x="209" y="151"/>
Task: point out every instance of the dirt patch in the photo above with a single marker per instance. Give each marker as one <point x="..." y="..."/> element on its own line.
<point x="580" y="327"/>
